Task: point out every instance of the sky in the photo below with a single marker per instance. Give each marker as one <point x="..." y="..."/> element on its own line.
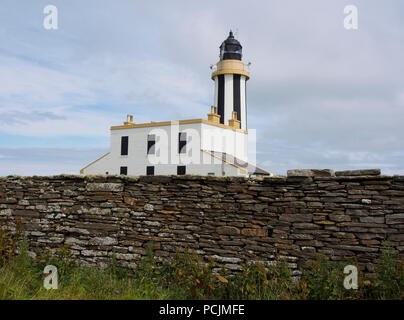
<point x="319" y="96"/>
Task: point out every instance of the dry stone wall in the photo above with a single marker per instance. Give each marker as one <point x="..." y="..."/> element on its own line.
<point x="232" y="219"/>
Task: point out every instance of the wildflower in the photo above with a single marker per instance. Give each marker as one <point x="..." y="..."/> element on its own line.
<point x="222" y="279"/>
<point x="367" y="283"/>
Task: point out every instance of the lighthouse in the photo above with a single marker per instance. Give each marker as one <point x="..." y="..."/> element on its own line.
<point x="230" y="75"/>
<point x="215" y="146"/>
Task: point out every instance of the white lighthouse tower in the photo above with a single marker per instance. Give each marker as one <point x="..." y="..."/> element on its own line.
<point x="230" y="75"/>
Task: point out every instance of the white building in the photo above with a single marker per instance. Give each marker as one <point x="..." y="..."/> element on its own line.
<point x="217" y="145"/>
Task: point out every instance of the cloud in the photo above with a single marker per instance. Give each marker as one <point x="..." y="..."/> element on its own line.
<point x="16" y="117"/>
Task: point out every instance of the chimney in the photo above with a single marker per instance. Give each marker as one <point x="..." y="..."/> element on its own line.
<point x="234" y="123"/>
<point x="213" y="116"/>
<point x="129" y="120"/>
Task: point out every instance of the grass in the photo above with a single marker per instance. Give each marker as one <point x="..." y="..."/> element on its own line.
<point x="187" y="278"/>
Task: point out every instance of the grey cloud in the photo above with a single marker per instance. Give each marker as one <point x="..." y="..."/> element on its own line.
<point x="17" y="117"/>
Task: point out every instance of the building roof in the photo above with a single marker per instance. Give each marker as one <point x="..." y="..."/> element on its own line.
<point x="236" y="162"/>
<point x="168" y="123"/>
<point x="82" y="170"/>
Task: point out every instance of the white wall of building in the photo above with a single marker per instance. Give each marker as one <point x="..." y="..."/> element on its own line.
<point x="167" y="158"/>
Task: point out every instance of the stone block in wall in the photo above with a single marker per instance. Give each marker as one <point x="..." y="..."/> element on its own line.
<point x="296" y="217"/>
<point x="362" y="172"/>
<point x="395" y="218"/>
<point x="344" y="235"/>
<point x="397" y="237"/>
<point x="254" y="232"/>
<point x="325" y="222"/>
<point x="243" y="196"/>
<point x="75" y="241"/>
<point x="6" y="212"/>
<point x="339" y="217"/>
<point x="102" y="241"/>
<point x="310" y="173"/>
<point x="372" y="219"/>
<point x="129" y="201"/>
<point x="127" y="256"/>
<point x="107" y="187"/>
<point x="301" y="236"/>
<point x="225" y="259"/>
<point x="274" y="180"/>
<point x="305" y="225"/>
<point x="228" y="230"/>
<point x="355" y="248"/>
<point x="8" y="200"/>
<point x="93" y="226"/>
<point x="26" y="213"/>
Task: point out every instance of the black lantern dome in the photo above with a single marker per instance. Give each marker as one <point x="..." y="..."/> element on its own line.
<point x="231" y="48"/>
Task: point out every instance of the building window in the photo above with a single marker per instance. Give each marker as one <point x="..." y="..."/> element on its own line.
<point x="124" y="170"/>
<point x="124" y="146"/>
<point x="151" y="142"/>
<point x="182" y="142"/>
<point x="211" y="173"/>
<point x="181" y="170"/>
<point x="150" y="171"/>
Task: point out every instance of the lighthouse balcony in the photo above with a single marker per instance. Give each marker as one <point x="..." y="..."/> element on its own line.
<point x="231" y="67"/>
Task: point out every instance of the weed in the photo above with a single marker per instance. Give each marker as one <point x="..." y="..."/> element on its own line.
<point x="188" y="277"/>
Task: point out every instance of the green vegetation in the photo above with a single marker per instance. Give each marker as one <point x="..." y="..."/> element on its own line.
<point x="187" y="278"/>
